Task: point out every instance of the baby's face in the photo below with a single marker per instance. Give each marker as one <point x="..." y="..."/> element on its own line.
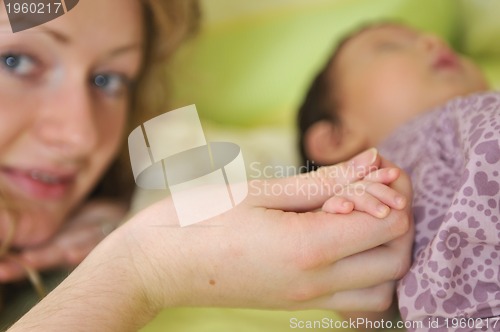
<point x="386" y="75"/>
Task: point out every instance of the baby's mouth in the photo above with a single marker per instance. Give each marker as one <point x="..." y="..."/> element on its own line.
<point x="446" y="60"/>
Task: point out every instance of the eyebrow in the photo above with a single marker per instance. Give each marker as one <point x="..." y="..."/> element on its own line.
<point x="124" y="49"/>
<point x="62" y="38"/>
<point x="58" y="36"/>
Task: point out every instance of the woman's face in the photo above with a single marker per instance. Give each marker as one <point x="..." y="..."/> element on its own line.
<point x="64" y="91"/>
<point x="391" y="73"/>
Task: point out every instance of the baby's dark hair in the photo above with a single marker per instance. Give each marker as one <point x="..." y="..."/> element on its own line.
<point x="320" y="101"/>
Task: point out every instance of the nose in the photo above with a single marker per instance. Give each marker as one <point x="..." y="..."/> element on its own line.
<point x="67" y="123"/>
<point x="431" y="43"/>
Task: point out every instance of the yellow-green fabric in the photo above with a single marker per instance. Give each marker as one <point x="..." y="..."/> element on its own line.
<point x="481" y="27"/>
<point x="222" y="320"/>
<point x="252" y="67"/>
<point x="229" y="320"/>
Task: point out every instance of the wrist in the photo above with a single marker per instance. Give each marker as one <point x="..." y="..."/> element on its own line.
<point x="104" y="289"/>
<point x="153" y="246"/>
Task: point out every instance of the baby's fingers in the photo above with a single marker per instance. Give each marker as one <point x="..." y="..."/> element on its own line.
<point x="364" y="201"/>
<point x="373" y="198"/>
<point x="338" y="204"/>
<point x="384" y="175"/>
<point x="385" y="194"/>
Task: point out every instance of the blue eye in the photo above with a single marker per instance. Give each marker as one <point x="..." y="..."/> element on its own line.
<point x="11" y="61"/>
<point x="111" y="84"/>
<point x="18" y="64"/>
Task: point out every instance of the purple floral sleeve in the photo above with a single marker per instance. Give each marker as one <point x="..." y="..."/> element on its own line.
<point x="453" y="156"/>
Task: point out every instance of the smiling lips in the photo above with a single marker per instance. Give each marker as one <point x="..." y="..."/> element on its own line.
<point x="39" y="184"/>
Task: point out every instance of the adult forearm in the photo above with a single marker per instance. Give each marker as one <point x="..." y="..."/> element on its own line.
<point x="102" y="294"/>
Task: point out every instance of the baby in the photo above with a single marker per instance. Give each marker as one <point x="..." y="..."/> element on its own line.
<point x="381" y="88"/>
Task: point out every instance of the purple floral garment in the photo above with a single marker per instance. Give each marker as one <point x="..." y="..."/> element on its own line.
<point x="453" y="157"/>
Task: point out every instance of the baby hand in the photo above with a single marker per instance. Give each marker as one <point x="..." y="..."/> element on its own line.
<point x="371" y="195"/>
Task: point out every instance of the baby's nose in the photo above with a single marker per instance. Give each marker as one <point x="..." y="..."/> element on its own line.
<point x="432" y="43"/>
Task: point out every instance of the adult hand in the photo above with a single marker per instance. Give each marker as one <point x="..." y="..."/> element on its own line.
<point x="269" y="253"/>
<point x="82" y="232"/>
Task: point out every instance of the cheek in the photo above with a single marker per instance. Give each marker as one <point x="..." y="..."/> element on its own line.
<point x="14" y="123"/>
<point x="387" y="99"/>
<point x="395" y="93"/>
<point x="111" y="130"/>
<point x="393" y="85"/>
<point x="477" y="81"/>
